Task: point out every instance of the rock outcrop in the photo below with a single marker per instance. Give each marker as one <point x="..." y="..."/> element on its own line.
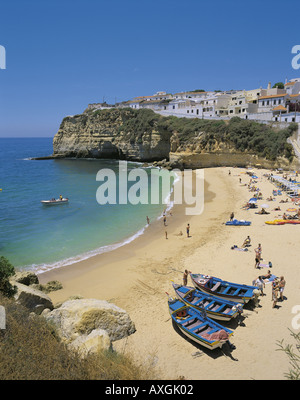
<point x="102" y="134"/>
<point x="34" y="300"/>
<point x="90" y="323"/>
<point x="31" y="294"/>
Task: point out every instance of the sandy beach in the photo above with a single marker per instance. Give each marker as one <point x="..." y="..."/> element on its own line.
<point x="137" y="276"/>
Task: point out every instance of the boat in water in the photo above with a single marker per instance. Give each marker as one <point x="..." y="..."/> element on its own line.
<point x="197" y="326"/>
<point x="226" y="290"/>
<point x="215" y="307"/>
<point x="54" y="202"/>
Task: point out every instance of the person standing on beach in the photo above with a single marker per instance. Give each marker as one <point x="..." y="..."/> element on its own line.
<point x="258" y="251"/>
<point x="231" y="216"/>
<point x="275" y="289"/>
<point x="188" y="230"/>
<point x="165" y="220"/>
<point x="185" y="277"/>
<point x="281" y="287"/>
<point x="166" y="234"/>
<point x="148" y="220"/>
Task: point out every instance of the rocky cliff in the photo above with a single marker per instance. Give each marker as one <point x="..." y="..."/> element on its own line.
<point x="108" y="134"/>
<point x="142" y="135"/>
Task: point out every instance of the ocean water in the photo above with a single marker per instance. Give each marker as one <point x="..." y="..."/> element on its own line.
<point x="38" y="237"/>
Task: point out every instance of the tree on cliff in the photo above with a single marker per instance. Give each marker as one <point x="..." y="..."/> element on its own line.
<point x="279" y="85"/>
<point x="6" y="271"/>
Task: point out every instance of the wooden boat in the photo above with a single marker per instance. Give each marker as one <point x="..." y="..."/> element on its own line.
<point x="236" y="222"/>
<point x="226" y="290"/>
<point x="215" y="307"/>
<point x="198" y="327"/>
<point x="54" y="202"/>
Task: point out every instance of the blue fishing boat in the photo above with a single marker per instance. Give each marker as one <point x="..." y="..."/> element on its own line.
<point x="236" y="222"/>
<point x="198" y="327"/>
<point x="226" y="290"/>
<point x="215" y="307"/>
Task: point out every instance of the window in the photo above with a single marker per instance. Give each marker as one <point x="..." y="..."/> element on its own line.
<point x="263" y="103"/>
<point x="268" y="102"/>
<point x="173" y="107"/>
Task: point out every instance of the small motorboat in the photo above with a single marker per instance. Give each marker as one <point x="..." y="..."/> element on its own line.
<point x="197" y="326"/>
<point x="54" y="202"/>
<point x="225" y="290"/>
<point x="215" y="307"/>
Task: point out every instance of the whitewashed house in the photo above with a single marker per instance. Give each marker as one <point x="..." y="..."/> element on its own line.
<point x="293" y="86"/>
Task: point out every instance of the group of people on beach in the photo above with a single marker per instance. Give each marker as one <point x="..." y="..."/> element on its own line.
<point x="278" y="284"/>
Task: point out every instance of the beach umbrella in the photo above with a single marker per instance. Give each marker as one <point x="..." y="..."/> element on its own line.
<point x="291" y="209"/>
<point x="265" y="206"/>
<point x="253" y="200"/>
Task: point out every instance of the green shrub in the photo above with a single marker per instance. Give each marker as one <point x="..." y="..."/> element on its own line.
<point x="6" y="271"/>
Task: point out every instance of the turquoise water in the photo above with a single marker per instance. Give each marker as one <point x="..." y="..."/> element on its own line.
<point x="34" y="236"/>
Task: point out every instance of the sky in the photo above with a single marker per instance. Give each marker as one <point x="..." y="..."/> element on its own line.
<point x="63" y="55"/>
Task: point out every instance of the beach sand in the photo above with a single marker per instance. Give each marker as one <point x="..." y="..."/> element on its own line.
<point x="137" y="276"/>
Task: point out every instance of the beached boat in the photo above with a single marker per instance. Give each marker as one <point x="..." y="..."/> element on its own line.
<point x="215" y="307"/>
<point x="54" y="202"/>
<point x="226" y="290"/>
<point x="198" y="327"/>
<point x="283" y="222"/>
<point x="275" y="222"/>
<point x="236" y="222"/>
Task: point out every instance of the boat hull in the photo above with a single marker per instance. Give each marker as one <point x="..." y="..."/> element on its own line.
<point x="215" y="307"/>
<point x="226" y="290"/>
<point x="199" y="322"/>
<point x="54" y="202"/>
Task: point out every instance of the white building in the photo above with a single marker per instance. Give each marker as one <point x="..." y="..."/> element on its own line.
<point x="293" y="86"/>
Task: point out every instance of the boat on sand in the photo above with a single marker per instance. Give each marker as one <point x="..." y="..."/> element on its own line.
<point x="223" y="289"/>
<point x="198" y="327"/>
<point x="215" y="307"/>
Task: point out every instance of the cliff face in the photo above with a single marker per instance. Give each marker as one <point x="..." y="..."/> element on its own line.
<point x="142" y="135"/>
<point x="100" y="135"/>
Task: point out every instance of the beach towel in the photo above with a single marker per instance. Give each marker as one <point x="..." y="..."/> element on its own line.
<point x="239" y="248"/>
<point x="271" y="279"/>
<point x="269" y="265"/>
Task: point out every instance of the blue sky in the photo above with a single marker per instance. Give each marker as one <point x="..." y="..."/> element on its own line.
<point x="62" y="55"/>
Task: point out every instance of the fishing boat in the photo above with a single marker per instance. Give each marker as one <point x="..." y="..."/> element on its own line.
<point x="236" y="222"/>
<point x="215" y="307"/>
<point x="198" y="327"/>
<point x="54" y="202"/>
<point x="226" y="290"/>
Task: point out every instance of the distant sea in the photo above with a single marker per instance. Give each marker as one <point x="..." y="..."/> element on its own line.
<point x="38" y="237"/>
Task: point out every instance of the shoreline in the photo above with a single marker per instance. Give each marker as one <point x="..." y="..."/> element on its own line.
<point x="137" y="276"/>
<point x="43" y="268"/>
